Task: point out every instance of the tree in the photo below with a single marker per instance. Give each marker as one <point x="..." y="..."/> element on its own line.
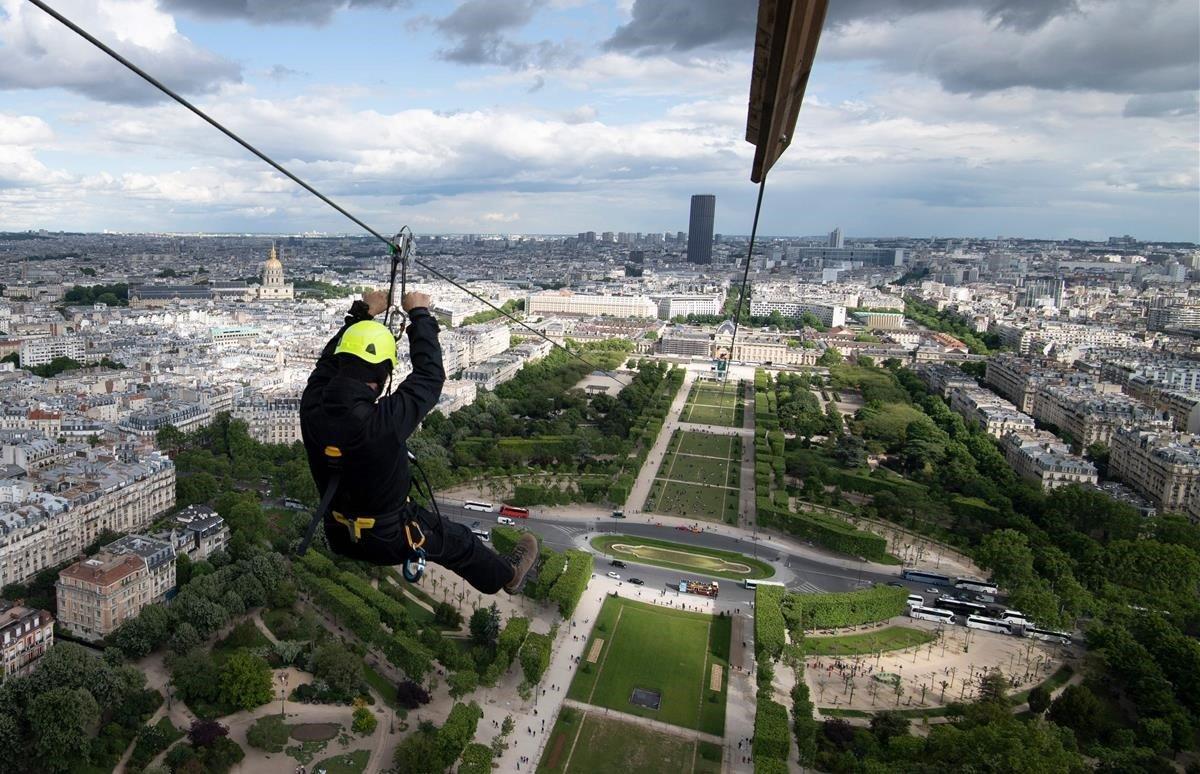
<point x="1078" y="708"/>
<point x="63" y="720"/>
<point x="1007" y="554"/>
<point x="485" y="626"/>
<point x="1039" y="699"/>
<point x="204" y="733"/>
<point x="184" y="639"/>
<point x="887" y="725"/>
<point x="993" y="688"/>
<point x="411" y="695"/>
<point x="364" y="721"/>
<point x="340" y="669"/>
<point x="170" y="438"/>
<point x="245" y="680"/>
<point x="830" y="357"/>
<point x="462" y="682"/>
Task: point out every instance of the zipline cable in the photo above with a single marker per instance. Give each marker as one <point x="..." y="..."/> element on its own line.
<point x="737" y="314"/>
<point x="81" y="32"/>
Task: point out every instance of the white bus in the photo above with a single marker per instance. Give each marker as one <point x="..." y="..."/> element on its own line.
<point x="482" y="534"/>
<point x="930" y="614"/>
<point x="989" y="624"/>
<point x="1049" y="635"/>
<point x="1015" y="617"/>
<point x="471" y="505"/>
<point x="916" y="600"/>
<point x="753" y="584"/>
<point x="976" y="585"/>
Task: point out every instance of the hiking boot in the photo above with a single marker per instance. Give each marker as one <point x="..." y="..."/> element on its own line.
<point x="523" y="557"/>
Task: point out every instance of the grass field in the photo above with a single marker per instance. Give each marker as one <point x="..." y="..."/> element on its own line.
<point x="711" y="405"/>
<point x="890" y="638"/>
<point x="585" y="743"/>
<point x="668" y="651"/>
<point x="663" y="553"/>
<point x="699" y="478"/>
<point x="350" y="763"/>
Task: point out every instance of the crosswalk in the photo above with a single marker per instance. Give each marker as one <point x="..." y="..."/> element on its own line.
<point x="807" y="588"/>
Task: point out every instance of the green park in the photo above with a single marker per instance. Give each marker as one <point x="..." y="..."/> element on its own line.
<point x="714" y="404"/>
<point x="662" y="553"/>
<point x="657" y="663"/>
<point x="583" y="742"/>
<point x="699" y="477"/>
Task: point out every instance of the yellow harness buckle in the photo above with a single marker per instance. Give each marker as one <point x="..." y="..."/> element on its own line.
<point x="355" y="526"/>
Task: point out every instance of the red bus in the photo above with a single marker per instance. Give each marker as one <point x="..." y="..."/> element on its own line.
<point x="513" y="511"/>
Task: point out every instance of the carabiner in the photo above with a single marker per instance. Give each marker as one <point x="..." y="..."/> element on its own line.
<point x="414" y="567"/>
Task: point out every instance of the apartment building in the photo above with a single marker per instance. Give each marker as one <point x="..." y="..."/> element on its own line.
<point x="1018" y="378"/>
<point x="25" y="636"/>
<point x="271" y="419"/>
<point x="942" y="377"/>
<point x="482" y="342"/>
<point x="830" y="315"/>
<point x="183" y="416"/>
<point x="566" y="302"/>
<point x="456" y="394"/>
<point x="493" y="372"/>
<point x="1089" y="415"/>
<point x="994" y="415"/>
<point x="97" y="595"/>
<point x="1163" y="466"/>
<point x="763" y="348"/>
<point x="43" y="349"/>
<point x="105" y="493"/>
<point x="159" y="556"/>
<point x="198" y="531"/>
<point x="686" y="342"/>
<point x="680" y="305"/>
<point x="1042" y="457"/>
<point x="36" y="532"/>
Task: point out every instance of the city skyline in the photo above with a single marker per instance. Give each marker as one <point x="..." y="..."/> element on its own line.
<point x="548" y="117"/>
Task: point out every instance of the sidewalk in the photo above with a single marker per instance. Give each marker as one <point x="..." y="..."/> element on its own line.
<point x="636" y="502"/>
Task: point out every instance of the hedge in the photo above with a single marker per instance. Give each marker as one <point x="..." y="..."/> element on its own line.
<point x="803" y="723"/>
<point x="770" y="766"/>
<point x="826" y="531"/>
<point x="476" y="759"/>
<point x="504" y="539"/>
<point x="837" y="610"/>
<point x="569" y="587"/>
<point x="318" y="564"/>
<point x="769" y="624"/>
<point x="865" y="484"/>
<point x="407" y="654"/>
<point x="553" y="563"/>
<point x="535" y="657"/>
<point x="456" y="733"/>
<point x="391" y="612"/>
<point x="771" y="737"/>
<point x="510" y="639"/>
<point x="355" y="614"/>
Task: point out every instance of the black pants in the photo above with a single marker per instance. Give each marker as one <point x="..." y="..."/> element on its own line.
<point x="447" y="543"/>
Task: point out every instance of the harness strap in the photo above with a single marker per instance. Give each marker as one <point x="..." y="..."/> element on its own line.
<point x="334" y="456"/>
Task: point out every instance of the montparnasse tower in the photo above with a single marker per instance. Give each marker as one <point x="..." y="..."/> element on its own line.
<point x="275" y="286"/>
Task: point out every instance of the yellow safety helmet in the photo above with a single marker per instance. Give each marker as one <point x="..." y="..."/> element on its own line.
<point x="370" y="341"/>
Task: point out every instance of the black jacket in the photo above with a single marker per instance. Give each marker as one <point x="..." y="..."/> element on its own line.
<point x="339" y="411"/>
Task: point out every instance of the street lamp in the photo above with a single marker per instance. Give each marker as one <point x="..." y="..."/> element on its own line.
<point x="283" y="679"/>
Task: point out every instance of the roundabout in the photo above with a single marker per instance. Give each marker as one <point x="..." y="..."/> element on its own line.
<point x="688" y="558"/>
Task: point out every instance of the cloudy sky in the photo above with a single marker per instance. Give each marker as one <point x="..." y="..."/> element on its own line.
<point x="1051" y="118"/>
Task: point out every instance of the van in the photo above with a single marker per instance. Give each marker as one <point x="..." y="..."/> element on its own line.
<point x="505" y="520"/>
<point x="915" y="599"/>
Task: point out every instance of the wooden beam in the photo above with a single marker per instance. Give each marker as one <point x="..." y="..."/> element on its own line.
<point x="784" y="49"/>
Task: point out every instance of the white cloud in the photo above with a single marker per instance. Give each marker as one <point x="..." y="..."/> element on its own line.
<point x="37" y="52"/>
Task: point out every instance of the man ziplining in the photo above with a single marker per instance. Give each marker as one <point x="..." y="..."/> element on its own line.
<point x="355" y="438"/>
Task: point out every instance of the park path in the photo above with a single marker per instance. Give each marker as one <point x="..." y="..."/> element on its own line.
<point x="747" y="507"/>
<point x="636" y="502"/>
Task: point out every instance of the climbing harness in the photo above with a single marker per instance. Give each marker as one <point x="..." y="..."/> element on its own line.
<point x="333" y="459"/>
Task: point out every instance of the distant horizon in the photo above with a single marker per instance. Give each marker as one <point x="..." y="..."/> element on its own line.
<point x="574" y="234"/>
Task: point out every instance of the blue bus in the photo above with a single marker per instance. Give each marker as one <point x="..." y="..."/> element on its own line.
<point x="921" y="576"/>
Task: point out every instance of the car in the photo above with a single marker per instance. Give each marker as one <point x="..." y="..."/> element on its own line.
<point x="897" y="584"/>
<point x="637" y="581"/>
<point x="614" y="576"/>
<point x="475" y="524"/>
<point x="617" y="563"/>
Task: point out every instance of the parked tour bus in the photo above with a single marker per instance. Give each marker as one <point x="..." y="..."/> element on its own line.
<point x="473" y="505"/>
<point x="514" y="511"/>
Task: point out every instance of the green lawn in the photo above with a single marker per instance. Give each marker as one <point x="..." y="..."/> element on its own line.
<point x="706" y="560"/>
<point x="658" y="649"/>
<point x="707" y="503"/>
<point x="705" y="445"/>
<point x="385" y="688"/>
<point x="699" y="458"/>
<point x="591" y="744"/>
<point x="700" y="470"/>
<point x="708" y="405"/>
<point x="889" y="638"/>
<point x="350" y="763"/>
